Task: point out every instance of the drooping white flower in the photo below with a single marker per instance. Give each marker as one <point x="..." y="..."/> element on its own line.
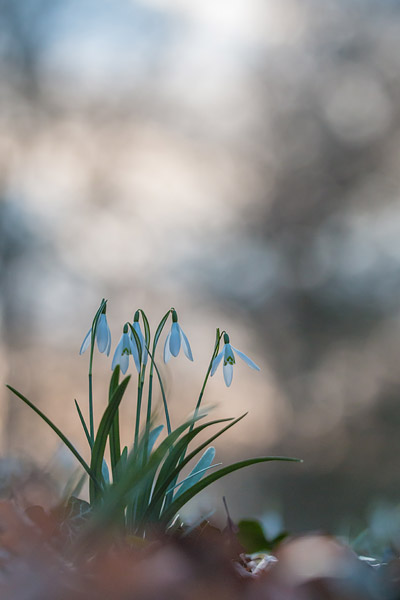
<point x="141" y="337"/>
<point x="175" y="338"/>
<point x="124" y="349"/>
<point x="103" y="336"/>
<point x="229" y="360"/>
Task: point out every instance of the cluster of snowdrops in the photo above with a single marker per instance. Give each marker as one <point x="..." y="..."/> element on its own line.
<point x="145" y="483"/>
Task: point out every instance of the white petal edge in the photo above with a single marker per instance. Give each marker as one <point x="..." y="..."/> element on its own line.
<point x="228" y="374"/>
<point x="135" y="354"/>
<point x="102" y="333"/>
<point x="86" y="342"/>
<point x="167" y="351"/>
<point x="108" y="343"/>
<point x="117" y="354"/>
<point x="246" y="359"/>
<point x="186" y="346"/>
<point x="142" y="342"/>
<point x="175" y="339"/>
<point x="216" y="362"/>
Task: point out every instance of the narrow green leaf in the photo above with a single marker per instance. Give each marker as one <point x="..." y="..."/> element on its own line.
<point x="102" y="434"/>
<point x="122" y="462"/>
<point x="142" y="453"/>
<point x="177" y="504"/>
<point x="198" y="471"/>
<point x="192" y="475"/>
<point x="168" y="478"/>
<point x="164" y="398"/>
<point x="155" y="459"/>
<point x="58" y="432"/>
<point x="85" y="429"/>
<point x="170" y="470"/>
<point x="115" y="448"/>
<point x="135" y="478"/>
<point x="95" y="321"/>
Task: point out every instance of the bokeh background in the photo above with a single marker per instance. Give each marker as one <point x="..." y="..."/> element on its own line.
<point x="238" y="160"/>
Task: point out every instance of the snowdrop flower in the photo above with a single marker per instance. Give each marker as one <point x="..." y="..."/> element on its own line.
<point x="103" y="336"/>
<point x="229" y="360"/>
<point x="141" y="337"/>
<point x="175" y="338"/>
<point x="124" y="349"/>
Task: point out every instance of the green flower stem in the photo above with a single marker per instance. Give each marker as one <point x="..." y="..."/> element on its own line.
<point x="91" y="419"/>
<point x="218" y="337"/>
<point x="148" y="417"/>
<point x="150" y="392"/>
<point x="139" y="407"/>
<point x="92" y="340"/>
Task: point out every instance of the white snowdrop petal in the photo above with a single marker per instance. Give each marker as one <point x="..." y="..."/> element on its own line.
<point x="117" y="354"/>
<point x="246" y="359"/>
<point x="185" y="343"/>
<point x="86" y="342"/>
<point x="216" y="362"/>
<point x="108" y="343"/>
<point x="175" y="340"/>
<point x="102" y="333"/>
<point x="228" y="373"/>
<point x="124" y="363"/>
<point x="135" y="355"/>
<point x="167" y="351"/>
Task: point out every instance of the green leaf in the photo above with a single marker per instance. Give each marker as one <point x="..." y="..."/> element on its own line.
<point x="170" y="470"/>
<point x="59" y="433"/>
<point x="251" y="536"/>
<point x="164" y="398"/>
<point x="172" y="474"/>
<point x="85" y="429"/>
<point x="122" y="463"/>
<point x="198" y="471"/>
<point x="115" y="448"/>
<point x="134" y="480"/>
<point x="102" y="434"/>
<point x="177" y="504"/>
<point x="156" y="459"/>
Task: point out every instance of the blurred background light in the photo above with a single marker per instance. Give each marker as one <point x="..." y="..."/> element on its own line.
<point x="239" y="161"/>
